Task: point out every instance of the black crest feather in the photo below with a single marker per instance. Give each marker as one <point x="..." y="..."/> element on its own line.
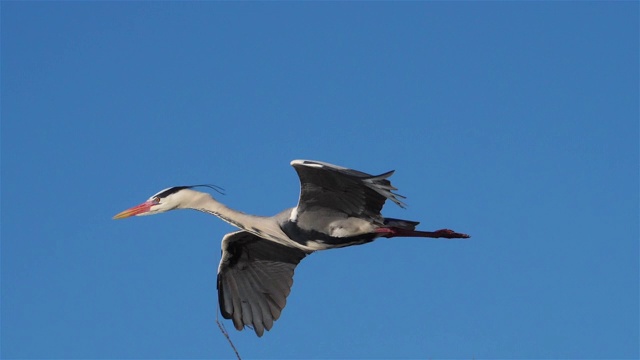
<point x="172" y="190"/>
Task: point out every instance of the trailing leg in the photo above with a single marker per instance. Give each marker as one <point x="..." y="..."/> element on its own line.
<point x="390" y="232"/>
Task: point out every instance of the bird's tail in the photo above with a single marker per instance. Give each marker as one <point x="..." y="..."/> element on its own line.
<point x="401" y="224"/>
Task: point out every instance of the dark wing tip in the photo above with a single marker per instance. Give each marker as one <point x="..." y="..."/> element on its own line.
<point x="254" y="279"/>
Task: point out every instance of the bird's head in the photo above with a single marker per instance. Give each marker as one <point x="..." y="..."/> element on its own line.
<point x="163" y="201"/>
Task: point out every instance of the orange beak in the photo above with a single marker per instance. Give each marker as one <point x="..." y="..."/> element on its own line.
<point x="136" y="210"/>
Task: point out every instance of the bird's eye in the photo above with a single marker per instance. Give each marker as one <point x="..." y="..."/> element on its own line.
<point x="156" y="200"/>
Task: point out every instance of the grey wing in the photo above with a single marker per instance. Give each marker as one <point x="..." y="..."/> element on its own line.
<point x="254" y="279"/>
<point x="352" y="192"/>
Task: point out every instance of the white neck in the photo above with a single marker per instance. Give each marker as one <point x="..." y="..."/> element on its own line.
<point x="204" y="202"/>
<point x="258" y="225"/>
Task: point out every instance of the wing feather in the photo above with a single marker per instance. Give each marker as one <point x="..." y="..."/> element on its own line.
<point x="266" y="317"/>
<point x="352" y="192"/>
<point x="254" y="279"/>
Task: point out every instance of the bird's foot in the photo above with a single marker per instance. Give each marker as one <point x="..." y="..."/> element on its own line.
<point x="450" y="234"/>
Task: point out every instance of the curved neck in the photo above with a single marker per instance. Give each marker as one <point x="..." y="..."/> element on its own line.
<point x="206" y="203"/>
<point x="258" y="225"/>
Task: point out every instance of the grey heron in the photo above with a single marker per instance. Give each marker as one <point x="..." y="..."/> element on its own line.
<point x="337" y="207"/>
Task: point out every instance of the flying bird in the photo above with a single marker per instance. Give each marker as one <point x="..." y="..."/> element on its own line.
<point x="337" y="207"/>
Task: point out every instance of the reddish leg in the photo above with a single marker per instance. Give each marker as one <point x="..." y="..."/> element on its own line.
<point x="390" y="232"/>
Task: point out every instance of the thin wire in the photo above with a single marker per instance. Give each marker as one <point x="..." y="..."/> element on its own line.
<point x="224" y="332"/>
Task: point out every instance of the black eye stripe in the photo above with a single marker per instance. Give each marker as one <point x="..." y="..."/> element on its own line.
<point x="164" y="193"/>
<point x="169" y="191"/>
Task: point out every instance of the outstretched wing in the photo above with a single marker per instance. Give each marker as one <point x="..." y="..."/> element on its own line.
<point x="254" y="279"/>
<point x="325" y="186"/>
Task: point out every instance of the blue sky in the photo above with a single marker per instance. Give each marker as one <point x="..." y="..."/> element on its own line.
<point x="515" y="122"/>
